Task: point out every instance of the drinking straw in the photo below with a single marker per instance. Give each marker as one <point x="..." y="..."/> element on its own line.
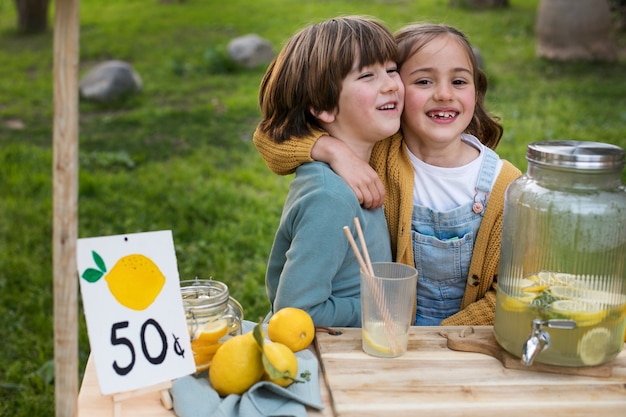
<point x="369" y="272"/>
<point x="355" y="249"/>
<point x="366" y="254"/>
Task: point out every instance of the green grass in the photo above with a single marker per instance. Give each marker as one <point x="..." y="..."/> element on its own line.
<point x="180" y="157"/>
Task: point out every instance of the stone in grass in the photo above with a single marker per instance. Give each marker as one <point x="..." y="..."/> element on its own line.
<point x="110" y="81"/>
<point x="250" y="51"/>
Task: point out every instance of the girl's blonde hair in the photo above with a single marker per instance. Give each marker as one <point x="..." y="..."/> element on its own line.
<point x="412" y="38"/>
<point x="308" y="72"/>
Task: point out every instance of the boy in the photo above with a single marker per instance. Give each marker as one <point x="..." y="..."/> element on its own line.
<point x="339" y="76"/>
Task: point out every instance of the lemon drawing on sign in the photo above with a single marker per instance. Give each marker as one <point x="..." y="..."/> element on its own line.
<point x="135" y="280"/>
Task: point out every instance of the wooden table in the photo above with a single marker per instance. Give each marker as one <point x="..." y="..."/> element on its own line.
<point x="429" y="380"/>
<point x="92" y="404"/>
<point x="432" y="380"/>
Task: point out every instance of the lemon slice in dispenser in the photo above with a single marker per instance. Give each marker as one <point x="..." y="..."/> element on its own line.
<point x="542" y="278"/>
<point x="565" y="292"/>
<point x="584" y="313"/>
<point x="593" y="346"/>
<point x="517" y="303"/>
<point x="525" y="282"/>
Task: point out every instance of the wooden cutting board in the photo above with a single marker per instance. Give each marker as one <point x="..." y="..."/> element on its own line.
<point x="433" y="380"/>
<point x="483" y="340"/>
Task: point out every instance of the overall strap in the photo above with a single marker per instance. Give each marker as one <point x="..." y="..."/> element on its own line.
<point x="485" y="179"/>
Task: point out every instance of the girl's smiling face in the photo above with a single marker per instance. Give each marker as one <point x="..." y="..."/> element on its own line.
<point x="440" y="94"/>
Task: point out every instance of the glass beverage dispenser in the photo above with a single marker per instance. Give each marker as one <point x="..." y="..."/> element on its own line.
<point x="561" y="296"/>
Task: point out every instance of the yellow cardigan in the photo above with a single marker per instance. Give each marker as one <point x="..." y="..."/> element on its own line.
<point x="391" y="162"/>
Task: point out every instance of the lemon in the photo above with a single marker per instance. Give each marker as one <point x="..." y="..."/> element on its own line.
<point x="292" y="327"/>
<point x="563" y="278"/>
<point x="563" y="291"/>
<point x="536" y="288"/>
<point x="211" y="332"/>
<point x="593" y="346"/>
<point x="528" y="285"/>
<point x="552" y="278"/>
<point x="376" y="338"/>
<point x="203" y="355"/>
<point x="584" y="313"/>
<point x="517" y="303"/>
<point x="284" y="362"/>
<point x="542" y="278"/>
<point x="205" y="343"/>
<point x="525" y="282"/>
<point x="135" y="281"/>
<point x="236" y="366"/>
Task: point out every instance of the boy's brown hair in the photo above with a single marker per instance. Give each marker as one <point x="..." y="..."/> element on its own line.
<point x="307" y="75"/>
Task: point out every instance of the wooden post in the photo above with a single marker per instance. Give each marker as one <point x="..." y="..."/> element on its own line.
<point x="65" y="207"/>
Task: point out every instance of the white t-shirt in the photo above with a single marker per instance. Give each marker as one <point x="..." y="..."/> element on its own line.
<point x="444" y="189"/>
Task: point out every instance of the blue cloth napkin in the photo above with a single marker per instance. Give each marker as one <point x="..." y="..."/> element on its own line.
<point x="193" y="395"/>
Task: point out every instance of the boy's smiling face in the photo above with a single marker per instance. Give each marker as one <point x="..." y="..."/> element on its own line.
<point x="370" y="105"/>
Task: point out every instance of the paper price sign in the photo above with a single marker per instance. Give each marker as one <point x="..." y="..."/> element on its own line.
<point x="133" y="309"/>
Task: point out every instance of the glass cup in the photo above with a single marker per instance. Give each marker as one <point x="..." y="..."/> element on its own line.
<point x="387" y="301"/>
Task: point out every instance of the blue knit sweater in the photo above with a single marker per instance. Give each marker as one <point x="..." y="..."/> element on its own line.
<point x="312" y="265"/>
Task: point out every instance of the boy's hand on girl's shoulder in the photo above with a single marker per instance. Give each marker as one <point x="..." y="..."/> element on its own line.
<point x="363" y="180"/>
<point x="357" y="173"/>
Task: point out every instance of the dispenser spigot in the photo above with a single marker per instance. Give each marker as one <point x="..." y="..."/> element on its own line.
<point x="539" y="339"/>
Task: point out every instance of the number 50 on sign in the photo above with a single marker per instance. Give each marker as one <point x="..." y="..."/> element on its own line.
<point x="133" y="309"/>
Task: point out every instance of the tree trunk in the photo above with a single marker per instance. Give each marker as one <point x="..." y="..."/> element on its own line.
<point x="575" y="30"/>
<point x="32" y="15"/>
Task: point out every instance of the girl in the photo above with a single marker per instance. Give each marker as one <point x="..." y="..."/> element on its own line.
<point x="444" y="185"/>
<point x="353" y="61"/>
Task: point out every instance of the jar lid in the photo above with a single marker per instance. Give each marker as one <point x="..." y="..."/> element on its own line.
<point x="594" y="156"/>
<point x="202" y="293"/>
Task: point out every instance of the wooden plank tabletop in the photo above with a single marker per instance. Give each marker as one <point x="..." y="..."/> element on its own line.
<point x="93" y="404"/>
<point x="429" y="380"/>
<point x="432" y="380"/>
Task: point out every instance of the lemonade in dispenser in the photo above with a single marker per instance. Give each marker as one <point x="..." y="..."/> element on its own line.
<point x="561" y="297"/>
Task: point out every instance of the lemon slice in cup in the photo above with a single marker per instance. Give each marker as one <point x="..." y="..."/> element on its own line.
<point x="593" y="346"/>
<point x="376" y="339"/>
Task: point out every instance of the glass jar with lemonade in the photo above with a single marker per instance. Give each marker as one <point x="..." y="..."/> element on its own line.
<point x="561" y="296"/>
<point x="212" y="316"/>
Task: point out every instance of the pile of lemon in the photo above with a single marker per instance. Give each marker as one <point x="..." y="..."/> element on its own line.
<point x="243" y="360"/>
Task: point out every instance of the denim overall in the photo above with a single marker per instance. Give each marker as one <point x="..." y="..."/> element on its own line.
<point x="443" y="243"/>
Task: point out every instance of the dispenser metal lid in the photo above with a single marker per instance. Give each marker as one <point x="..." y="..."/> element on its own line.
<point x="579" y="155"/>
